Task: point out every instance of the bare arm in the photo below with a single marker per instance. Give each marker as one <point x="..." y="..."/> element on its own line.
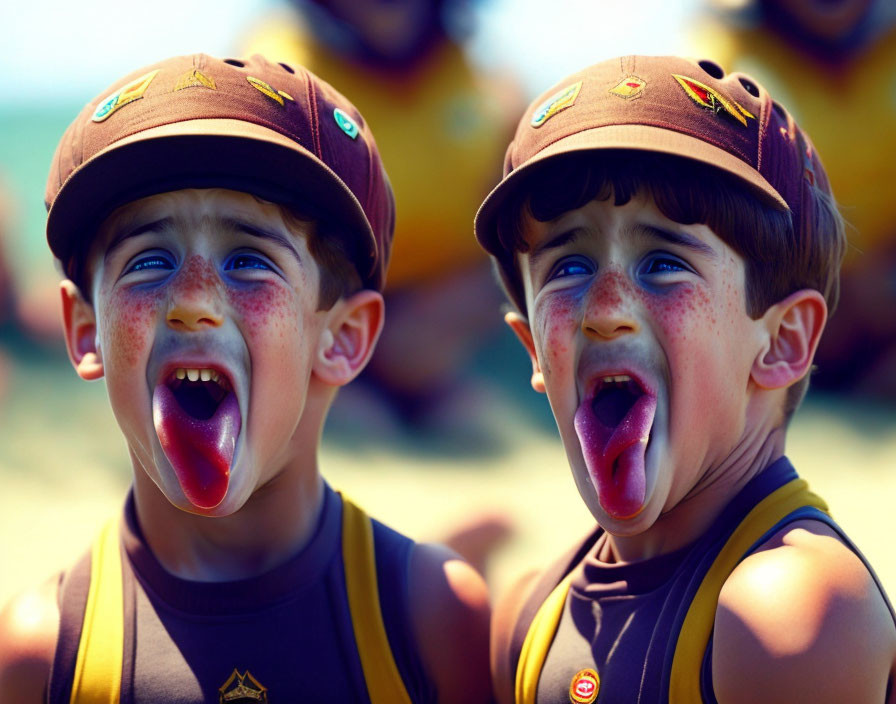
<point x="802" y="620"/>
<point x="29" y="627"/>
<point x="503" y="622"/>
<point x="450" y="615"/>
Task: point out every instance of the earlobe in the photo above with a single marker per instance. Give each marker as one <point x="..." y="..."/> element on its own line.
<point x="794" y="328"/>
<point x="347" y="343"/>
<point x="521" y="329"/>
<point x="79" y="321"/>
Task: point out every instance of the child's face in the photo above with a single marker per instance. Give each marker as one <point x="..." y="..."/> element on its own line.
<point x="642" y="342"/>
<point x="208" y="280"/>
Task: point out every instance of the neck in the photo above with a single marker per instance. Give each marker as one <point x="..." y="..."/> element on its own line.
<point x="276" y="522"/>
<point x="691" y="517"/>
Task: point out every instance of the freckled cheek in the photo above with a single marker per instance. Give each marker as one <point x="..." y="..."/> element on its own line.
<point x="557" y="321"/>
<point x="127" y="319"/>
<point x="267" y="309"/>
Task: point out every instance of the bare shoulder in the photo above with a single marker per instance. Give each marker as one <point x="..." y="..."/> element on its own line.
<point x="802" y="620"/>
<point x="450" y="614"/>
<point x="29" y="627"/>
<point x="504" y="619"/>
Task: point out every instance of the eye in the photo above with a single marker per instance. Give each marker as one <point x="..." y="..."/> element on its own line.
<point x="246" y="260"/>
<point x="571" y="266"/>
<point x="662" y="263"/>
<point x="155" y="260"/>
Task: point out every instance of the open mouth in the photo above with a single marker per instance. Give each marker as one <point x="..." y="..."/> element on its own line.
<point x="199" y="391"/>
<point x="613" y="424"/>
<point x="614" y="397"/>
<point x="197" y="419"/>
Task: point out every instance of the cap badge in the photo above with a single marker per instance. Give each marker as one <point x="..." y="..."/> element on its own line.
<point x="124" y="95"/>
<point x="241" y="689"/>
<point x="276" y="95"/>
<point x="195" y="79"/>
<point x="561" y="100"/>
<point x="584" y="687"/>
<point x="629" y="87"/>
<point x="711" y="99"/>
<point x="346" y="124"/>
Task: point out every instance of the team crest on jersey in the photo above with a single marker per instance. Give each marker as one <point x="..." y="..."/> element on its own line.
<point x="584" y="687"/>
<point x="277" y="96"/>
<point x="195" y="79"/>
<point x="346" y="123"/>
<point x="561" y="100"/>
<point x="629" y="87"/>
<point x="124" y="95"/>
<point x="242" y="689"/>
<point x="711" y="99"/>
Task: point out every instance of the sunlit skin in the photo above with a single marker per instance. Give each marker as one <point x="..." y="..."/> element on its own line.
<point x="608" y="293"/>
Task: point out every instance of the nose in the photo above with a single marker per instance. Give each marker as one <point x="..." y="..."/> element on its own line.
<point x="194" y="301"/>
<point x="610" y="306"/>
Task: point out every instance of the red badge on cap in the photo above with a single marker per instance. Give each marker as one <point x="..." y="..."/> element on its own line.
<point x="584" y="687"/>
<point x="629" y="87"/>
<point x="711" y="99"/>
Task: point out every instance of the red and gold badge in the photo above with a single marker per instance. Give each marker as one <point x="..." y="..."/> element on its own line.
<point x="629" y="87"/>
<point x="584" y="687"/>
<point x="712" y="99"/>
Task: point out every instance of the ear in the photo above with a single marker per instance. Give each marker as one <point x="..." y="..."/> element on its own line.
<point x="520" y="327"/>
<point x="79" y="321"/>
<point x="349" y="339"/>
<point x="794" y="327"/>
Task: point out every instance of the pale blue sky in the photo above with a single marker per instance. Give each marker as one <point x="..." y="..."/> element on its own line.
<point x="63" y="51"/>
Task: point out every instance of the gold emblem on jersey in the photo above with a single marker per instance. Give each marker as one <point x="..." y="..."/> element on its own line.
<point x="124" y="95"/>
<point x="195" y="79"/>
<point x="584" y="686"/>
<point x="242" y="689"/>
<point x="711" y="99"/>
<point x="275" y="95"/>
<point x="629" y="87"/>
<point x="561" y="100"/>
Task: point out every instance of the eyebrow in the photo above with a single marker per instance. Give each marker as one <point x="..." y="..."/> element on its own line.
<point x="560" y="240"/>
<point x="155" y="225"/>
<point x="231" y="223"/>
<point x="262" y="233"/>
<point x="678" y="238"/>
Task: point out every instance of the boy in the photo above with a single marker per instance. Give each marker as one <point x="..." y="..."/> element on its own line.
<point x="667" y="236"/>
<point x="225" y="227"/>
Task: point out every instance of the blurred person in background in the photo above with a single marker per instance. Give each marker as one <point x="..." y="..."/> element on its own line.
<point x="441" y="129"/>
<point x="834" y="64"/>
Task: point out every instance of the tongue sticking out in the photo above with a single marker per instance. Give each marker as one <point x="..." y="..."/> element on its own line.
<point x="613" y="428"/>
<point x="199" y="449"/>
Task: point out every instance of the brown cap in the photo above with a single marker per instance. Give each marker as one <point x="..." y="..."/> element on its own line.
<point x="668" y="105"/>
<point x="273" y="130"/>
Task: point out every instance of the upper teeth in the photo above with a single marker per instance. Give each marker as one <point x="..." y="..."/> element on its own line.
<point x="619" y="379"/>
<point x="197" y="374"/>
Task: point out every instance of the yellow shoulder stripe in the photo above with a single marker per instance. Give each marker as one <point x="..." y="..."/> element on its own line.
<point x="98" y="667"/>
<point x="684" y="683"/>
<point x="384" y="683"/>
<point x="538" y="643"/>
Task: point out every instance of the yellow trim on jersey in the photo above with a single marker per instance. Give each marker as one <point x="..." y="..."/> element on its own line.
<point x="98" y="667"/>
<point x="384" y="683"/>
<point x="538" y="643"/>
<point x="693" y="638"/>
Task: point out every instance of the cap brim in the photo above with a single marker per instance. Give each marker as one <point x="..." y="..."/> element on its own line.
<point x="206" y="153"/>
<point x="633" y="137"/>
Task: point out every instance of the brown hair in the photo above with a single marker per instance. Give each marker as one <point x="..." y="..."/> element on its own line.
<point x="779" y="257"/>
<point x="339" y="276"/>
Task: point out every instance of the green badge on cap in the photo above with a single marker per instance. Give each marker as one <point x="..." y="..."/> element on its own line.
<point x="346" y="124"/>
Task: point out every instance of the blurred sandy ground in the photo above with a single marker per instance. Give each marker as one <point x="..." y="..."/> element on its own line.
<point x="63" y="470"/>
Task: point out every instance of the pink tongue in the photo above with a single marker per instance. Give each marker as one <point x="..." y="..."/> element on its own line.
<point x="199" y="450"/>
<point x="615" y="455"/>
